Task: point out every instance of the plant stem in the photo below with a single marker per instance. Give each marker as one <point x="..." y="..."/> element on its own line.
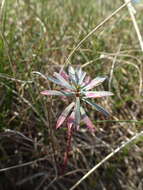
<point x="70" y="132"/>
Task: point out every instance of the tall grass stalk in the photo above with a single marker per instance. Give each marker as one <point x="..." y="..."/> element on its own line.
<point x="135" y="137"/>
<point x="95" y="29"/>
<point x="132" y="14"/>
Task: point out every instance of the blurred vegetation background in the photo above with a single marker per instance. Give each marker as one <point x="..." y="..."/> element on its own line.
<point x="38" y="35"/>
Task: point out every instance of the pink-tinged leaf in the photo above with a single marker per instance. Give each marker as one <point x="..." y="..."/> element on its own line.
<point x="86" y="120"/>
<point x="95" y="82"/>
<point x="56" y="93"/>
<point x="64" y="115"/>
<point x="63" y="81"/>
<point x="54" y="80"/>
<point x="64" y="75"/>
<point x="81" y="78"/>
<point x="52" y="92"/>
<point x="72" y="74"/>
<point x="99" y="94"/>
<point x="79" y="71"/>
<point x="86" y="82"/>
<point x="67" y="92"/>
<point x="80" y="75"/>
<point x="71" y="120"/>
<point x="77" y="127"/>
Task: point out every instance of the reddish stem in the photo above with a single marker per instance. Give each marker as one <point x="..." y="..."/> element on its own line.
<point x="68" y="148"/>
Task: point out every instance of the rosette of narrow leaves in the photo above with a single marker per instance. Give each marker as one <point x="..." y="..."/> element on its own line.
<point x="76" y="84"/>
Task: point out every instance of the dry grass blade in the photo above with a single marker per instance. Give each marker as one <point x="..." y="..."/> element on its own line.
<point x="130" y="8"/>
<point x="113" y="66"/>
<point x="96" y="28"/>
<point x="1" y="8"/>
<point x="133" y="65"/>
<point x="9" y="131"/>
<point x="107" y="158"/>
<point x="24" y="164"/>
<point x="14" y="79"/>
<point x="31" y="178"/>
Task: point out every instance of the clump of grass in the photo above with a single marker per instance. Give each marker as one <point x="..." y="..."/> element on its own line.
<point x="39" y="36"/>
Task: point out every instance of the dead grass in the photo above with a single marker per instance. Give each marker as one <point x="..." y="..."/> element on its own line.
<point x="39" y="36"/>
